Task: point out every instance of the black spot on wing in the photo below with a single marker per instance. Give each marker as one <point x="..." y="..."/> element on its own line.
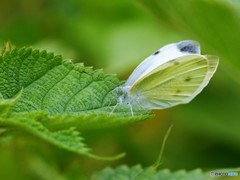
<point x="178" y="91"/>
<point x="157" y="52"/>
<point x="188" y="79"/>
<point x="176" y="63"/>
<point x="189" y="47"/>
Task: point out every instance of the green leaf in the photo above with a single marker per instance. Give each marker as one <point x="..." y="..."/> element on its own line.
<point x="137" y="172"/>
<point x="57" y="86"/>
<point x="68" y="139"/>
<point x="55" y="98"/>
<point x="90" y="121"/>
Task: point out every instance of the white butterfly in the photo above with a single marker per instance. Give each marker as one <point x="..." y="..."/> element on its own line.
<point x="173" y="75"/>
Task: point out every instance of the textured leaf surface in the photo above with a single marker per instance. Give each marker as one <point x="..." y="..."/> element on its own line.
<point x="41" y="92"/>
<point x="137" y="172"/>
<point x="57" y="86"/>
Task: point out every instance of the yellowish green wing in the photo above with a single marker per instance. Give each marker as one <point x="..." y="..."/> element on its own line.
<point x="175" y="82"/>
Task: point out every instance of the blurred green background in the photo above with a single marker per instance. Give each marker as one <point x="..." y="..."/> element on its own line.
<point x="116" y="36"/>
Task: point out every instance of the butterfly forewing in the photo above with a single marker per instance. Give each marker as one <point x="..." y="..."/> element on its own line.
<point x="175" y="82"/>
<point x="161" y="56"/>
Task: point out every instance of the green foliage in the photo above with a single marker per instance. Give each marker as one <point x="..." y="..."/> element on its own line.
<point x="57" y="94"/>
<point x="137" y="172"/>
<point x="115" y="36"/>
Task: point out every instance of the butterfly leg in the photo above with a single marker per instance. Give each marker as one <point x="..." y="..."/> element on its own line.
<point x="113" y="109"/>
<point x="131" y="109"/>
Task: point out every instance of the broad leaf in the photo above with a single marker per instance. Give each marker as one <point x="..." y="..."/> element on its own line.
<point x="40" y="93"/>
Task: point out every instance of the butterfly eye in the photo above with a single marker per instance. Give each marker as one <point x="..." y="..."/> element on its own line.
<point x="157" y="52"/>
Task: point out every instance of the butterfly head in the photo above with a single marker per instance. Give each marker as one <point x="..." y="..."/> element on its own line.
<point x="122" y="93"/>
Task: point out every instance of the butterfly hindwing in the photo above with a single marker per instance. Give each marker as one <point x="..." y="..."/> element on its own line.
<point x="175" y="82"/>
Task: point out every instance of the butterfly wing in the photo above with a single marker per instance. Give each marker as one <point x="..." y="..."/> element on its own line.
<point x="175" y="82"/>
<point x="161" y="56"/>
